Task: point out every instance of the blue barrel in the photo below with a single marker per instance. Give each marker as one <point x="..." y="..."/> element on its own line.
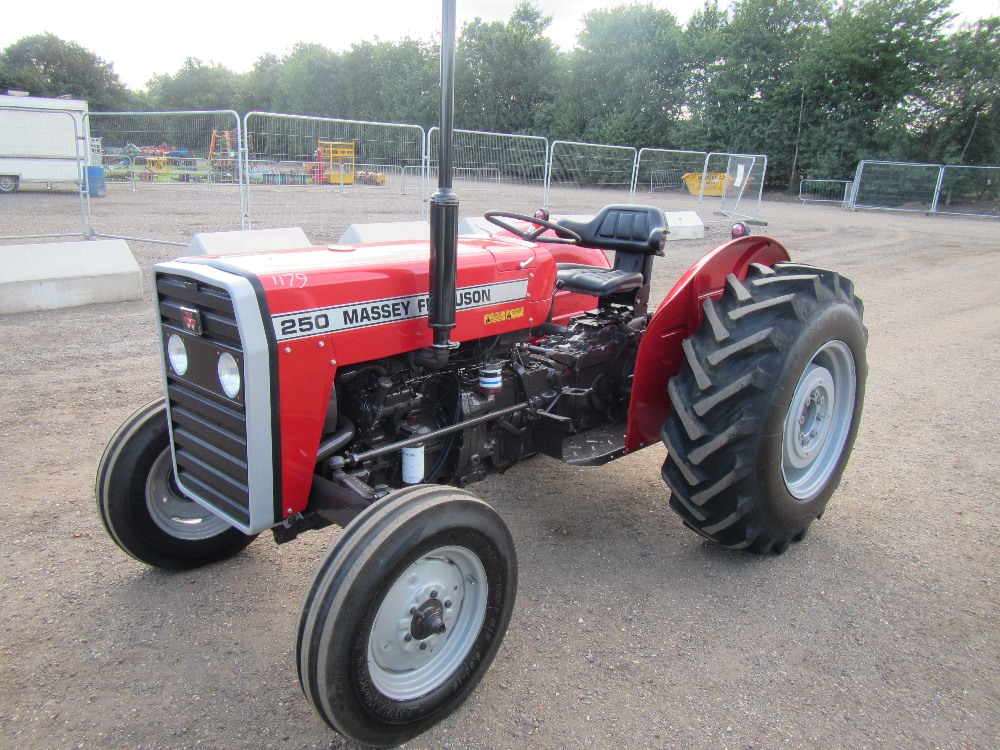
<point x="95" y="184"/>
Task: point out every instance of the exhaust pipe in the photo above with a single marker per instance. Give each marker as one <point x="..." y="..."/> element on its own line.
<point x="444" y="209"/>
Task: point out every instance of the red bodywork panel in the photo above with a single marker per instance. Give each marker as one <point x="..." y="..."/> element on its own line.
<point x="678" y="316"/>
<point x="341" y="305"/>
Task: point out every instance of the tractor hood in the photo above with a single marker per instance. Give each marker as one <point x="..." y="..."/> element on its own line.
<point x="370" y="300"/>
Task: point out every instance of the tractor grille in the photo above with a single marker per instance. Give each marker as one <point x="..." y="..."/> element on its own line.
<point x="209" y="429"/>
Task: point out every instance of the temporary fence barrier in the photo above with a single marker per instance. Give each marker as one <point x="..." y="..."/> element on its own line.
<point x="583" y="177"/>
<point x="737" y="180"/>
<point x="826" y="191"/>
<point x="895" y="186"/>
<point x="44" y="150"/>
<point x="324" y="174"/>
<point x="968" y="191"/>
<point x="660" y="170"/>
<point x="168" y="174"/>
<point x="493" y="170"/>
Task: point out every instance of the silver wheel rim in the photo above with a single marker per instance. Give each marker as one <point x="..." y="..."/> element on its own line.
<point x="402" y="664"/>
<point x="818" y="420"/>
<point x="7" y="184"/>
<point x="175" y="514"/>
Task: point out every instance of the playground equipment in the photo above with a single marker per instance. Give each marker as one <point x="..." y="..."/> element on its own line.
<point x="334" y="163"/>
<point x="223" y="149"/>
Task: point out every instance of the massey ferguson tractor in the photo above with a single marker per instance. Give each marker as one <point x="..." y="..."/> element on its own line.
<point x="362" y="386"/>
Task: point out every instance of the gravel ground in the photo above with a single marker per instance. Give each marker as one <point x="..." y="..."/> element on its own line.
<point x="879" y="630"/>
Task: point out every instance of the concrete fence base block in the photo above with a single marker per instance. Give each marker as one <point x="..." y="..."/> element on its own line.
<point x="684" y="225"/>
<point x="52" y="275"/>
<point x="385" y="231"/>
<point x="247" y="241"/>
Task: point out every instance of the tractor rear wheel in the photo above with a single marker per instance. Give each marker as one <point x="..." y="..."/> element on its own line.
<point x="765" y="408"/>
<point x="143" y="509"/>
<point x="406" y="613"/>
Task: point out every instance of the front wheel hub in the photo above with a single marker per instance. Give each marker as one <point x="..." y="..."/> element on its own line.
<point x="427" y="623"/>
<point x="428" y="620"/>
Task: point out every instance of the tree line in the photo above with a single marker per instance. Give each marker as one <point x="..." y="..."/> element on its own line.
<point x="816" y="85"/>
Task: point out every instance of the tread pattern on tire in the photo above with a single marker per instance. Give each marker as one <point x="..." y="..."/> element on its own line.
<point x="123" y="512"/>
<point x="720" y="395"/>
<point x="325" y="602"/>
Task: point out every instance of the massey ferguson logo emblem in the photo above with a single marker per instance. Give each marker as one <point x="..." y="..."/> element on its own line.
<point x="192" y="320"/>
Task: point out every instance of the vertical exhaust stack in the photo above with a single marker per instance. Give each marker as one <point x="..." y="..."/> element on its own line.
<point x="444" y="207"/>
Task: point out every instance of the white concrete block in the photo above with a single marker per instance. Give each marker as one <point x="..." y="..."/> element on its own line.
<point x="388" y="231"/>
<point x="52" y="275"/>
<point x="248" y="241"/>
<point x="684" y="225"/>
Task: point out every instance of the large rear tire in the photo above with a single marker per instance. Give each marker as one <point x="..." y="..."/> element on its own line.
<point x="766" y="406"/>
<point x="142" y="508"/>
<point x="406" y="613"/>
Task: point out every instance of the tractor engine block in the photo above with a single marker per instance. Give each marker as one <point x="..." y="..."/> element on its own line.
<point x="570" y="379"/>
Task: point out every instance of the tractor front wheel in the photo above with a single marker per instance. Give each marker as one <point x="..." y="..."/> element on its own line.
<point x="143" y="509"/>
<point x="766" y="406"/>
<point x="406" y="613"/>
<point x="8" y="183"/>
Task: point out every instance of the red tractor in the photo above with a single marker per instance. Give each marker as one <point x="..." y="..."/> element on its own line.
<point x="361" y="386"/>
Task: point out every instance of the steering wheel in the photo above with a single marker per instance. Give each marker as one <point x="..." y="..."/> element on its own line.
<point x="564" y="236"/>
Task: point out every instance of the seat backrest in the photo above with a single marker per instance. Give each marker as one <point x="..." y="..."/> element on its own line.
<point x="623" y="228"/>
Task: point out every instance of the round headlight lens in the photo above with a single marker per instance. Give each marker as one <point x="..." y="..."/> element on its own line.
<point x="229" y="374"/>
<point x="177" y="354"/>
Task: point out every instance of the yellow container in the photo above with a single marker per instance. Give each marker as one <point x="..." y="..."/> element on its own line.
<point x="714" y="182"/>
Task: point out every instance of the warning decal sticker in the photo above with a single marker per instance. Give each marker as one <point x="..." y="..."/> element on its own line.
<point x="502" y="315"/>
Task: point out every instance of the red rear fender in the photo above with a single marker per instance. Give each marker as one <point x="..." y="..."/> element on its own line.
<point x="678" y="316"/>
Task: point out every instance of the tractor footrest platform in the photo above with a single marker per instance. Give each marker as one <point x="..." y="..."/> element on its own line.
<point x="595" y="447"/>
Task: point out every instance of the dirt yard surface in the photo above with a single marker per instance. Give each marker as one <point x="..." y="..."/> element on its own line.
<point x="880" y="630"/>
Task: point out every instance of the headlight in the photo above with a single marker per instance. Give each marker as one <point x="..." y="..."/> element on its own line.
<point x="177" y="354"/>
<point x="229" y="374"/>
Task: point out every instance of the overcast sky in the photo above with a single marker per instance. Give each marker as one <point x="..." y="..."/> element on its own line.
<point x="143" y="39"/>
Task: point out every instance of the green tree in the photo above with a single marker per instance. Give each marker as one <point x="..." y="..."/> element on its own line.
<point x="504" y="72"/>
<point x="45" y="65"/>
<point x="877" y="56"/>
<point x="196" y="86"/>
<point x="391" y="82"/>
<point x="626" y="78"/>
<point x="750" y="94"/>
<point x="960" y="112"/>
<point x="256" y="89"/>
<point x="703" y="58"/>
<point x="309" y="82"/>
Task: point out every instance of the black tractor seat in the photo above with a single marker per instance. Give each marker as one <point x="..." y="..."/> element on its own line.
<point x="634" y="233"/>
<point x="596" y="281"/>
<point x="623" y="228"/>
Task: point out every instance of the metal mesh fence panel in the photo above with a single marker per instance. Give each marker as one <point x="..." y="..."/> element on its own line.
<point x="660" y="173"/>
<point x="325" y="174"/>
<point x="736" y="180"/>
<point x="969" y="191"/>
<point x="493" y="170"/>
<point x="43" y="161"/>
<point x="825" y="191"/>
<point x="168" y="174"/>
<point x="584" y="177"/>
<point x="744" y="186"/>
<point x="895" y="186"/>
